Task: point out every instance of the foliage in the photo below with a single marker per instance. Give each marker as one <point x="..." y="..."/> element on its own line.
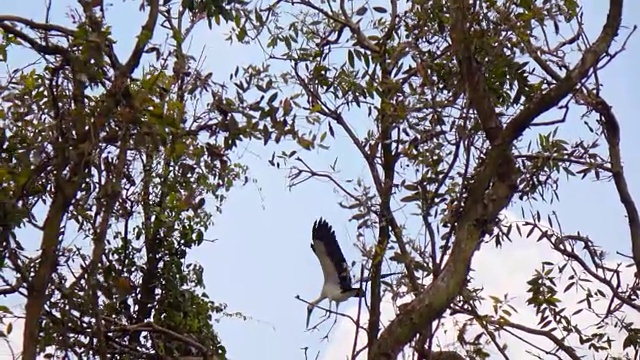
<point x="444" y="103"/>
<point x="119" y="168"/>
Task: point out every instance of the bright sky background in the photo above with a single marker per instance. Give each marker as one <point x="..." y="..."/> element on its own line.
<point x="524" y="258"/>
<point x="262" y="259"/>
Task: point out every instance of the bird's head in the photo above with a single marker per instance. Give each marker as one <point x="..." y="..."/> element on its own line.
<point x="309" y="310"/>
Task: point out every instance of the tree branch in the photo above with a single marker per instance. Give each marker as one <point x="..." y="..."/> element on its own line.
<point x="145" y="35"/>
<point x="612" y="135"/>
<point x="491" y="189"/>
<point x="34" y="44"/>
<point x="150" y="326"/>
<point x="611" y="128"/>
<point x="549" y="157"/>
<point x="483" y="205"/>
<point x="36" y="25"/>
<point x="471" y="73"/>
<point x="556" y="93"/>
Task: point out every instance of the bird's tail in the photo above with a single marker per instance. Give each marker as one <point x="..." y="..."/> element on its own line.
<point x="359" y="293"/>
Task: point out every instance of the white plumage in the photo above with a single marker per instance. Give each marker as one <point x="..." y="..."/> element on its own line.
<point x="337" y="285"/>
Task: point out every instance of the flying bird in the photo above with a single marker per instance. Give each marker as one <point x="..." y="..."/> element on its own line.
<point x="337" y="277"/>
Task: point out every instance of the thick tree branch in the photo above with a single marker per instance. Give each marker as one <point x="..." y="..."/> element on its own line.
<point x="36" y="25"/>
<point x="470" y="71"/>
<point x="612" y="134"/>
<point x="13" y="288"/>
<point x="66" y="190"/>
<point x="34" y="44"/>
<point x="145" y="35"/>
<point x="493" y="186"/>
<point x="556" y="93"/>
<point x="475" y="221"/>
<point x="112" y="194"/>
<point x="70" y="172"/>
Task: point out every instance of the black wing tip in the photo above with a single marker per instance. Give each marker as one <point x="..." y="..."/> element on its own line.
<point x="321" y="222"/>
<point x="321" y="226"/>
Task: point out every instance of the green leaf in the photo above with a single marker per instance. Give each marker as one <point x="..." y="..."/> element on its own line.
<point x="272" y="98"/>
<point x="409" y="198"/>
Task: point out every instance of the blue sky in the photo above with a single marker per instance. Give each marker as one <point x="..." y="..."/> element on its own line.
<point x="262" y="259"/>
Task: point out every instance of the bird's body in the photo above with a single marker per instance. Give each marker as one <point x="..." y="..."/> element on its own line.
<point x="335" y="293"/>
<point x="337" y="277"/>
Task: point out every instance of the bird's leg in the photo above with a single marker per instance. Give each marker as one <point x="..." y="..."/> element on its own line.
<point x="332" y="325"/>
<point x="313" y="304"/>
<point x="335" y="320"/>
<point x="327" y="313"/>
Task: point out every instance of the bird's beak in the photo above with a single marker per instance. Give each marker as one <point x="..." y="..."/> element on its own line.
<point x="309" y="310"/>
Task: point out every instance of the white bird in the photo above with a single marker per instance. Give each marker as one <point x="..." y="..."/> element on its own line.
<point x="337" y="277"/>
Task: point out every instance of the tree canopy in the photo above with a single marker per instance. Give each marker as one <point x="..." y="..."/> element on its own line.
<point x="447" y="104"/>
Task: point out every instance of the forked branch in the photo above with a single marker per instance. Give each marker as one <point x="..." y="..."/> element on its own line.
<point x="490" y="191"/>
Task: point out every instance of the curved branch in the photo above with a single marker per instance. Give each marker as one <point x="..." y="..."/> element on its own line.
<point x="594" y="274"/>
<point x="356" y="323"/>
<point x="483" y="204"/>
<point x="568" y="160"/>
<point x="34" y="44"/>
<point x="150" y="326"/>
<point x="490" y="192"/>
<point x="612" y="135"/>
<point x="546" y="334"/>
<point x="36" y="25"/>
<point x="556" y="93"/>
<point x="345" y="20"/>
<point x="471" y="73"/>
<point x="313" y="173"/>
<point x="145" y="35"/>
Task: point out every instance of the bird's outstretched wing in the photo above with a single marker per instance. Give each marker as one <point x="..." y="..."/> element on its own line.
<point x="325" y="245"/>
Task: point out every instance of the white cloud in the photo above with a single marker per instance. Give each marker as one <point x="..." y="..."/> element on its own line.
<point x="498" y="272"/>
